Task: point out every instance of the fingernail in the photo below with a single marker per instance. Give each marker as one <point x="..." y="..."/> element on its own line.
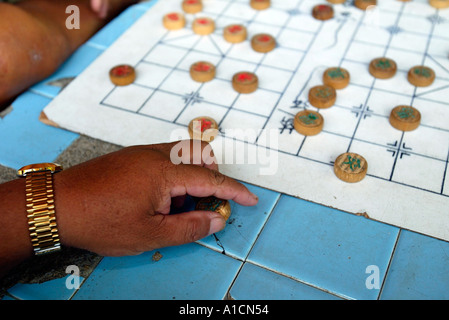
<point x="254" y="196"/>
<point x="217" y="224"/>
<point x="95" y="4"/>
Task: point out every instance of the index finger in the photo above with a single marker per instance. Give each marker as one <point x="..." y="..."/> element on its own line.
<point x="191" y="151"/>
<point x="203" y="182"/>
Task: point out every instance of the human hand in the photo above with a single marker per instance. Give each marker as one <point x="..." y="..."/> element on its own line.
<point x="119" y="204"/>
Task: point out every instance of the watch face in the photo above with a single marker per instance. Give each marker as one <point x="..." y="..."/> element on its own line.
<point x="53" y="167"/>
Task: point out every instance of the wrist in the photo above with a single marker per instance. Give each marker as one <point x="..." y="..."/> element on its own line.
<point x="64" y="205"/>
<point x="40" y="206"/>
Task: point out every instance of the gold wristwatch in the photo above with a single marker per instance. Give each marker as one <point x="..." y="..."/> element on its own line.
<point x="40" y="206"/>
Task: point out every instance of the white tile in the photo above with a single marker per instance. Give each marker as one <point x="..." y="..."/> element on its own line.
<point x="380" y="160"/>
<point x="180" y="82"/>
<point x="409" y="42"/>
<point x="240" y="11"/>
<point x="280" y="125"/>
<point x="273" y="79"/>
<point x="218" y="92"/>
<point x="130" y="97"/>
<point x="428" y="141"/>
<point x="164" y="106"/>
<point x="228" y="67"/>
<point x="199" y="110"/>
<point x="272" y="17"/>
<point x="433" y="113"/>
<point x="151" y="75"/>
<point x="297" y="40"/>
<point x="339" y="120"/>
<point x="195" y="56"/>
<point x="420" y="172"/>
<point x="282" y="58"/>
<point x="259" y="102"/>
<point x="363" y="52"/>
<point x="377" y="130"/>
<point x="166" y="55"/>
<point x="238" y="125"/>
<point x="324" y="147"/>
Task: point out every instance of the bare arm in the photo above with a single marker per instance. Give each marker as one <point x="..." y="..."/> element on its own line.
<point x="34" y="40"/>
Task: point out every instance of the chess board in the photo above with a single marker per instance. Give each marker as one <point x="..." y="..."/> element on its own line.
<point x="407" y="183"/>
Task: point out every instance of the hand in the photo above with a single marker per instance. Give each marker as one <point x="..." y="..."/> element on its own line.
<point x="118" y="204"/>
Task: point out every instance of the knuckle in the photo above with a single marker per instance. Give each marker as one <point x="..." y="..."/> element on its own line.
<point x="155" y="231"/>
<point x="216" y="177"/>
<point x="191" y="232"/>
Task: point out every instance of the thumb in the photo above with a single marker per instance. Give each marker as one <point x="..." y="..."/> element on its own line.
<point x="188" y="227"/>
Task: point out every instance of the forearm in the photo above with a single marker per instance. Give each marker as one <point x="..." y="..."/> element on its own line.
<point x="29" y="50"/>
<point x="34" y="41"/>
<point x="53" y="15"/>
<point x="15" y="244"/>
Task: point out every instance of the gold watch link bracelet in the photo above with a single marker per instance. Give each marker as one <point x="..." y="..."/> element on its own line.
<point x="40" y="206"/>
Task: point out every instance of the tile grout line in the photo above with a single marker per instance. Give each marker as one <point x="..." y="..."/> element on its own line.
<point x="85" y="279"/>
<point x="263" y="226"/>
<point x="389" y="264"/>
<point x="302" y="281"/>
<point x="228" y="294"/>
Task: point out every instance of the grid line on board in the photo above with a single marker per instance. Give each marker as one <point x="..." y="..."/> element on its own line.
<point x="429" y="39"/>
<point x="258" y="65"/>
<point x="397" y="148"/>
<point x="374" y="80"/>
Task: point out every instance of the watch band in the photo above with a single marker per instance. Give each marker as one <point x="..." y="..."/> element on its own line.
<point x="41" y="212"/>
<point x="40" y="207"/>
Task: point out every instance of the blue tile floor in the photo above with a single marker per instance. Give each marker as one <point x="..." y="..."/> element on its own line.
<point x="284" y="248"/>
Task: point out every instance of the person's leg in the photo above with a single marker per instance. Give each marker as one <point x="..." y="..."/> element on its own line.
<point x="34" y="40"/>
